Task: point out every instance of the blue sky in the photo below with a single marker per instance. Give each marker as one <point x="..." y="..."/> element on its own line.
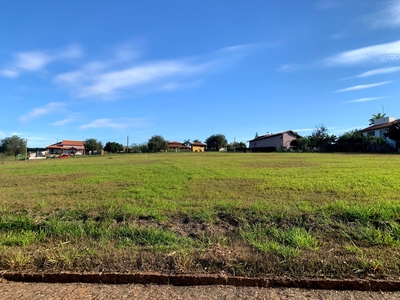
<point x="189" y="69"/>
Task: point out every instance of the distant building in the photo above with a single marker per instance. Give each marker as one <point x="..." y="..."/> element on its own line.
<point x="198" y="147"/>
<point x="67" y="147"/>
<point x="177" y="146"/>
<point x="379" y="128"/>
<point x="277" y="140"/>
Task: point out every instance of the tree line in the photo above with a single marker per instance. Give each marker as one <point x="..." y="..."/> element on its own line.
<point x="351" y="141"/>
<point x="157" y="143"/>
<point x="319" y="140"/>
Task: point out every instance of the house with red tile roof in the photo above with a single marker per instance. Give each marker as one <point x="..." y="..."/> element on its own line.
<point x="67" y="147"/>
<point x="177" y="146"/>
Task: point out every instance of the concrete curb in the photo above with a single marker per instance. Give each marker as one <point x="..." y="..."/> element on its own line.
<point x="190" y="280"/>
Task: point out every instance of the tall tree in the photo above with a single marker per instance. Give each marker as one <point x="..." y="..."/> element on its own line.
<point x="93" y="145"/>
<point x="113" y="147"/>
<point x="237" y="146"/>
<point x="187" y="142"/>
<point x="375" y="117"/>
<point x="140" y="148"/>
<point x="393" y="133"/>
<point x="320" y="138"/>
<point x="216" y="142"/>
<point x="300" y="144"/>
<point x="14" y="145"/>
<point x="157" y="143"/>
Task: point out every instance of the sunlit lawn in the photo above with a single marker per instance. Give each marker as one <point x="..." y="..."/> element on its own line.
<point x="296" y="214"/>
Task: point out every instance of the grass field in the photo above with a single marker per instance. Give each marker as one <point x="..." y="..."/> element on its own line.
<point x="271" y="214"/>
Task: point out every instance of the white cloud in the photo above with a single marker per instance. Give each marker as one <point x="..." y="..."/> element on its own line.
<point x="117" y="124"/>
<point x="290" y="68"/>
<point x="362" y="86"/>
<point x="338" y="36"/>
<point x="108" y="83"/>
<point x="378" y="72"/>
<point x="31" y="61"/>
<point x="376" y="53"/>
<point x="304" y="130"/>
<point x="37" y="60"/>
<point x="69" y="119"/>
<point x="49" y="108"/>
<point x="9" y="73"/>
<point x="327" y="4"/>
<point x="387" y="17"/>
<point x="108" y="78"/>
<point x="363" y="100"/>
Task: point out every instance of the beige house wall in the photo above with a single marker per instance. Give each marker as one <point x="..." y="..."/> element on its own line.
<point x="280" y="140"/>
<point x="197" y="148"/>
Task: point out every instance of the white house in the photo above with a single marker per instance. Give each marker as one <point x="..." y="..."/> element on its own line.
<point x="379" y="128"/>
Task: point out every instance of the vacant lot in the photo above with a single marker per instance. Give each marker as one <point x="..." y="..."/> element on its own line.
<point x="295" y="214"/>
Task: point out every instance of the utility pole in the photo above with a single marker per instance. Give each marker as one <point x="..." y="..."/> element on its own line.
<point x="127" y="142"/>
<point x="26" y="148"/>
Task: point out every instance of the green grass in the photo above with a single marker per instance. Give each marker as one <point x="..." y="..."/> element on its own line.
<point x="292" y="214"/>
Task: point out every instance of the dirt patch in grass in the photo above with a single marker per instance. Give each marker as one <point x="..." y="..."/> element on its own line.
<point x="282" y="164"/>
<point x="198" y="229"/>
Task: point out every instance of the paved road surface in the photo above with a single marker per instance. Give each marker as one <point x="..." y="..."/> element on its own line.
<point x="33" y="291"/>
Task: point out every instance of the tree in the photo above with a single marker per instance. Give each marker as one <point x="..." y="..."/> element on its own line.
<point x="216" y="142"/>
<point x="14" y="145"/>
<point x="113" y="147"/>
<point x="93" y="145"/>
<point x="256" y="136"/>
<point x="320" y="138"/>
<point x="300" y="144"/>
<point x="196" y="141"/>
<point x="187" y="142"/>
<point x="393" y="133"/>
<point x="157" y="143"/>
<point x="237" y="146"/>
<point x="140" y="148"/>
<point x="375" y="117"/>
<point x="352" y="136"/>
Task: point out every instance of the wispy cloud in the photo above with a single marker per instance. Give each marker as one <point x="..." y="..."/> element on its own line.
<point x="362" y="86"/>
<point x="387" y="17"/>
<point x="52" y="107"/>
<point x="328" y="4"/>
<point x="304" y="129"/>
<point x="338" y="36"/>
<point x="110" y="82"/>
<point x="71" y="118"/>
<point x="378" y="72"/>
<point x="363" y="100"/>
<point x="290" y="68"/>
<point x="107" y="79"/>
<point x="340" y="131"/>
<point x="8" y="73"/>
<point x="117" y="124"/>
<point x="37" y="60"/>
<point x="376" y="53"/>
